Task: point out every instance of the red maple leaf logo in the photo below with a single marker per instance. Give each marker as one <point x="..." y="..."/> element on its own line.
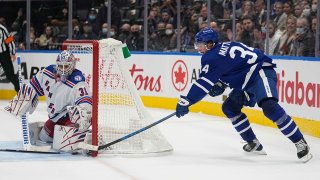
<point x="180" y="75"/>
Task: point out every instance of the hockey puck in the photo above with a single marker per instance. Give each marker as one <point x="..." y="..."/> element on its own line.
<point x="74" y="153"/>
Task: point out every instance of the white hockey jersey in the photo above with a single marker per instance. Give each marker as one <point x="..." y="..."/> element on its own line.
<point x="59" y="95"/>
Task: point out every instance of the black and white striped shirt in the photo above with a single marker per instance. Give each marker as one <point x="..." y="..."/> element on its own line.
<point x="3" y="46"/>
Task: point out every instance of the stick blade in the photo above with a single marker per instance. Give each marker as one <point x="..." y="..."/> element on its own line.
<point x="30" y="151"/>
<point x="86" y="146"/>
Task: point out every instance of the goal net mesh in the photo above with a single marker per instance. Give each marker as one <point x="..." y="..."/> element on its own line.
<point x="119" y="109"/>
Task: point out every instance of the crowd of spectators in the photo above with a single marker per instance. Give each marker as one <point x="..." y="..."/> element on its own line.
<point x="291" y="29"/>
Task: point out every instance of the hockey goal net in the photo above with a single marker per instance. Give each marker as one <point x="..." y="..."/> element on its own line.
<point x="117" y="109"/>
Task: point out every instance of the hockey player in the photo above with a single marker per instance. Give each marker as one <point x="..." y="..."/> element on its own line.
<point x="68" y="99"/>
<point x="251" y="75"/>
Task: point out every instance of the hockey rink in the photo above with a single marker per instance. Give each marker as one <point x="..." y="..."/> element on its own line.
<point x="205" y="148"/>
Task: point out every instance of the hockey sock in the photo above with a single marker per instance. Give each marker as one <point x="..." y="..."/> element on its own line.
<point x="289" y="128"/>
<point x="242" y="125"/>
<point x="285" y="123"/>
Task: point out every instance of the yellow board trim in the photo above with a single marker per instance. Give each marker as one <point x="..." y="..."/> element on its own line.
<point x="307" y="126"/>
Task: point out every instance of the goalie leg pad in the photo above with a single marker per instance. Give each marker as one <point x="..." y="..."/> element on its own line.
<point x="66" y="138"/>
<point x="34" y="131"/>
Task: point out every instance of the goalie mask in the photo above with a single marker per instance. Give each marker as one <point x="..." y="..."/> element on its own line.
<point x="66" y="63"/>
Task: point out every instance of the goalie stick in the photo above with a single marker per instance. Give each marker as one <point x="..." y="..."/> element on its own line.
<point x="30" y="151"/>
<point x="90" y="147"/>
<point x="24" y="118"/>
<point x="27" y="147"/>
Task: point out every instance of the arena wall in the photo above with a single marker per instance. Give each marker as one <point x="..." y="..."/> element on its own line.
<point x="162" y="77"/>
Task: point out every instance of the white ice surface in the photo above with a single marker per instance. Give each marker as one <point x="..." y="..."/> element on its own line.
<point x="205" y="147"/>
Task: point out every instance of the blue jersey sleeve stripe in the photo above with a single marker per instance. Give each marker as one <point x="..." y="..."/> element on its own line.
<point x="207" y="80"/>
<point x="201" y="87"/>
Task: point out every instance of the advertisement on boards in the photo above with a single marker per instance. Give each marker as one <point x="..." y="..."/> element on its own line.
<point x="172" y="75"/>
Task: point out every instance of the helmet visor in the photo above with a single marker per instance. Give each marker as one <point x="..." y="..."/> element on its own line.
<point x="64" y="68"/>
<point x="199" y="45"/>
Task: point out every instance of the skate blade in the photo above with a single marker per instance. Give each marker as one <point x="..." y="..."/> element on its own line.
<point x="306" y="158"/>
<point x="262" y="152"/>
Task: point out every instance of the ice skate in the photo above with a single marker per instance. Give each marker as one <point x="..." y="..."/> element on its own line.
<point x="303" y="151"/>
<point x="254" y="147"/>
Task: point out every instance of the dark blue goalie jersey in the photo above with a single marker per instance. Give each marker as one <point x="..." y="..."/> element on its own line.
<point x="233" y="63"/>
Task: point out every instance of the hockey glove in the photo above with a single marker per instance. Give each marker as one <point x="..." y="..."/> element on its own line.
<point x="80" y="116"/>
<point x="182" y="106"/>
<point x="217" y="89"/>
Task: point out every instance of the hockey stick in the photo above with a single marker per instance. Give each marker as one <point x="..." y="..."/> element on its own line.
<point x="97" y="148"/>
<point x="24" y="118"/>
<point x="27" y="147"/>
<point x="30" y="151"/>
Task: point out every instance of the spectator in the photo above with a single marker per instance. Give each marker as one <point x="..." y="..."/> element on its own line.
<point x="285" y="44"/>
<point x="156" y="39"/>
<point x="33" y="43"/>
<point x="204" y="17"/>
<point x="16" y="33"/>
<point x="22" y="46"/>
<point x="203" y="25"/>
<point x="227" y="4"/>
<point x="222" y="35"/>
<point x="314" y="25"/>
<point x="102" y="16"/>
<point x="288" y="8"/>
<point x="166" y="17"/>
<point x="247" y="9"/>
<point x="170" y="38"/>
<point x="314" y="6"/>
<point x="124" y="33"/>
<point x="152" y="22"/>
<point x="217" y="8"/>
<point x="103" y="34"/>
<point x="258" y="38"/>
<point x="114" y="32"/>
<point x="76" y="32"/>
<point x="298" y="11"/>
<point x="135" y="39"/>
<point x="92" y="20"/>
<point x="303" y="44"/>
<point x="247" y="33"/>
<point x="87" y="32"/>
<point x="280" y="17"/>
<point x="274" y="38"/>
<point x="170" y="6"/>
<point x="239" y="30"/>
<point x="47" y="40"/>
<point x="261" y="14"/>
<point x="314" y="30"/>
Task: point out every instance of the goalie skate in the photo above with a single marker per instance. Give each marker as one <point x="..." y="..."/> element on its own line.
<point x="254" y="147"/>
<point x="303" y="151"/>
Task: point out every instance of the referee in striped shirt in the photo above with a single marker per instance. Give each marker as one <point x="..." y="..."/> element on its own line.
<point x="7" y="55"/>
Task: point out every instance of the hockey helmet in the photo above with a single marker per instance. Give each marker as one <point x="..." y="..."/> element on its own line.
<point x="66" y="63"/>
<point x="205" y="36"/>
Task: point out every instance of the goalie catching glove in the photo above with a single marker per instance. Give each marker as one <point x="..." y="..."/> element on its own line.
<point x="25" y="101"/>
<point x="80" y="116"/>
